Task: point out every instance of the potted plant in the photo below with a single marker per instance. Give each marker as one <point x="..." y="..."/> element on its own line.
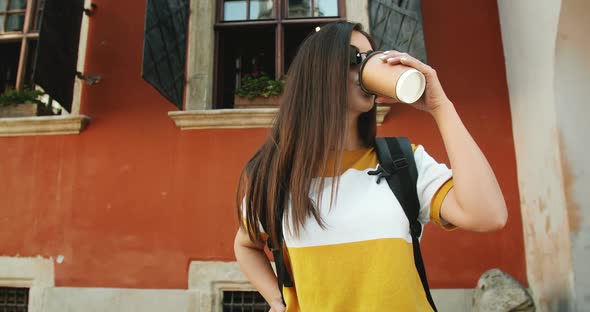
<point x="23" y="103"/>
<point x="258" y="92"/>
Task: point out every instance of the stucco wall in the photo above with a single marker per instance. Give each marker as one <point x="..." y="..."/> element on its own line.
<point x="132" y="200"/>
<point x="572" y="102"/>
<point x="546" y="50"/>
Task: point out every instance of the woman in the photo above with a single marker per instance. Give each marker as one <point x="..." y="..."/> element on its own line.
<point x="346" y="237"/>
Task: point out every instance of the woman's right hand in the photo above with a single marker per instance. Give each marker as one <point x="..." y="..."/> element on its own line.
<point x="277" y="305"/>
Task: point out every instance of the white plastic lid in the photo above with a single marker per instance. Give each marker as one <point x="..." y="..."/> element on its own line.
<point x="410" y="86"/>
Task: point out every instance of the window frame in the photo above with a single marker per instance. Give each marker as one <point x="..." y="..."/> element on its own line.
<point x="279" y="20"/>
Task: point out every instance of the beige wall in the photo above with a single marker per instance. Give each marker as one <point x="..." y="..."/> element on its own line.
<point x="546" y="50"/>
<point x="572" y="94"/>
<point x="201" y="42"/>
<point x="358" y="11"/>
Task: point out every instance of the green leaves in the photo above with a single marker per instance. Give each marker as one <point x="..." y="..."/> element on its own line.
<point x="262" y="86"/>
<point x="20" y="97"/>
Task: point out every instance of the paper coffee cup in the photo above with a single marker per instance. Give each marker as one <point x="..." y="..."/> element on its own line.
<point x="402" y="83"/>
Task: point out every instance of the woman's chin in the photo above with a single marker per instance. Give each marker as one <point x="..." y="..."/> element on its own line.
<point x="362" y="108"/>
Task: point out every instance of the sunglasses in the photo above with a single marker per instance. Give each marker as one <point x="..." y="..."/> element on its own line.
<point x="355" y="56"/>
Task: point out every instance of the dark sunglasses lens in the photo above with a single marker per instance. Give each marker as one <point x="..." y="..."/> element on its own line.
<point x="354" y="56"/>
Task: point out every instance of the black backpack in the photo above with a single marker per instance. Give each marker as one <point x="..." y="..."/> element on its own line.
<point x="398" y="167"/>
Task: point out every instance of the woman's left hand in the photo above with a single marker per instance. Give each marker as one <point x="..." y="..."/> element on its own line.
<point x="434" y="96"/>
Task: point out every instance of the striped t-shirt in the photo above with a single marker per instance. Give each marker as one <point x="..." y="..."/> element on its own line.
<point x="362" y="260"/>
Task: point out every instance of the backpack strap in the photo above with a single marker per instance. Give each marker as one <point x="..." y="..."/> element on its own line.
<point x="397" y="165"/>
<point x="283" y="276"/>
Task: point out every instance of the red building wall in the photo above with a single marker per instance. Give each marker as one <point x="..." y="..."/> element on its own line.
<point x="132" y="200"/>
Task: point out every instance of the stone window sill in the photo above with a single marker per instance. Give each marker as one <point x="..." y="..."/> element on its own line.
<point x="236" y="118"/>
<point x="46" y="125"/>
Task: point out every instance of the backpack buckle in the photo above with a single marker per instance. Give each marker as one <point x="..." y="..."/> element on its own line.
<point x="381" y="173"/>
<point x="400" y="163"/>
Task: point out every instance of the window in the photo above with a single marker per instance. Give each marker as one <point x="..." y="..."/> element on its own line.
<point x="51" y="29"/>
<point x="248" y="36"/>
<point x="14" y="299"/>
<point x="260" y="37"/>
<point x="19" y="31"/>
<point x="42" y="48"/>
<point x="244" y="301"/>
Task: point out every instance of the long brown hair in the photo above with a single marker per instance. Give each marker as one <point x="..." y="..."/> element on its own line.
<point x="307" y="138"/>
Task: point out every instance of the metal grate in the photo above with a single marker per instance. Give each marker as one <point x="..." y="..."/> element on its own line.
<point x="164" y="47"/>
<point x="14" y="299"/>
<point x="243" y="301"/>
<point x="398" y="25"/>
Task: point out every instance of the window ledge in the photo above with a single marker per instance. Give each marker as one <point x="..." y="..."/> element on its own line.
<point x="46" y="125"/>
<point x="237" y="118"/>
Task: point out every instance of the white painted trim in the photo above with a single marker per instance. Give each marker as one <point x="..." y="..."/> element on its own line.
<point x="90" y="299"/>
<point x="37" y="274"/>
<point x="82" y="45"/>
<point x="45" y="125"/>
<point x="237" y="118"/>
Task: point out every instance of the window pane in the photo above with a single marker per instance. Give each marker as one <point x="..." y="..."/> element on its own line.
<point x="30" y="63"/>
<point x="261" y="9"/>
<point x="326" y="8"/>
<point x="294" y="36"/>
<point x="17" y="4"/>
<point x="2" y="18"/>
<point x="235" y="10"/>
<point x="299" y="8"/>
<point x="242" y="51"/>
<point x="15" y="22"/>
<point x="3" y="4"/>
<point x="10" y="52"/>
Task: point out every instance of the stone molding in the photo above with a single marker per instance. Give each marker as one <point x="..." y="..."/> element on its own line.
<point x="47" y="125"/>
<point x="37" y="274"/>
<point x="237" y="118"/>
<point x="210" y="278"/>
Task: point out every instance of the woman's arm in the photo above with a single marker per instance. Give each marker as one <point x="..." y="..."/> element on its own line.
<point x="256" y="266"/>
<point x="476" y="202"/>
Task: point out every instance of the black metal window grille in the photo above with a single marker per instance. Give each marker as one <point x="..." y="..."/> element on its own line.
<point x="243" y="301"/>
<point x="164" y="52"/>
<point x="14" y="299"/>
<point x="398" y="25"/>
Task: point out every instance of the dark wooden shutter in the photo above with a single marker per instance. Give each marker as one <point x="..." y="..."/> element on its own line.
<point x="164" y="48"/>
<point x="57" y="52"/>
<point x="397" y="25"/>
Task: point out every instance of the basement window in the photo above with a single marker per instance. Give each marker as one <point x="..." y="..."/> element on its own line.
<point x="14" y="299"/>
<point x="244" y="301"/>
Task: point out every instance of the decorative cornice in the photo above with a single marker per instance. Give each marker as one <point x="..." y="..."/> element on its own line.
<point x="46" y="125"/>
<point x="237" y="118"/>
